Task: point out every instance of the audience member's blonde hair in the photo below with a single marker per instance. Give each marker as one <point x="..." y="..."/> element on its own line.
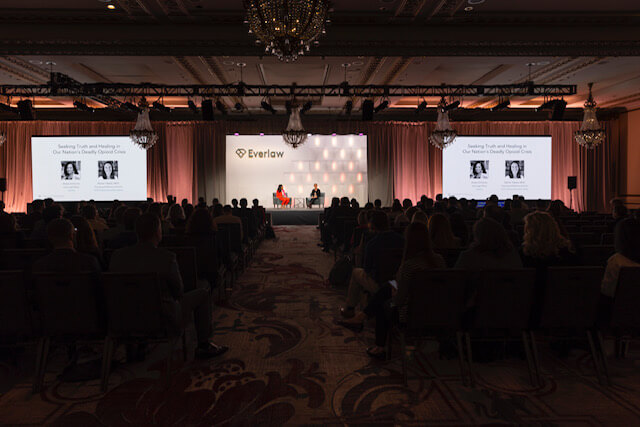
<point x="542" y="237"/>
<point x="420" y="217"/>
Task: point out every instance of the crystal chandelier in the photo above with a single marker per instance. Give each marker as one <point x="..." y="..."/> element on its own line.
<point x="294" y="134"/>
<point x="287" y="28"/>
<point x="444" y="134"/>
<point x="591" y="134"/>
<point x="3" y="138"/>
<point x="143" y="134"/>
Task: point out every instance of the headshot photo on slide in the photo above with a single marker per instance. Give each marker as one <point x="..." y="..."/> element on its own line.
<point x="108" y="169"/>
<point x="70" y="169"/>
<point x="514" y="169"/>
<point x="479" y="169"/>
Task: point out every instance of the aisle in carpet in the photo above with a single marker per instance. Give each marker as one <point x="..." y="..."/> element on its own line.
<point x="290" y="363"/>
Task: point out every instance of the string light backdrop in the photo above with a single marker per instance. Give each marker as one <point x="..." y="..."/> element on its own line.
<point x="257" y="164"/>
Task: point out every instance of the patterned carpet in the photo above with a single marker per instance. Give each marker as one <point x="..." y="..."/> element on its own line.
<point x="289" y="364"/>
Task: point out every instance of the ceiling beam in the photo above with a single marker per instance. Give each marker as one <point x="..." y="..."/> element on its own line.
<point x="365" y="39"/>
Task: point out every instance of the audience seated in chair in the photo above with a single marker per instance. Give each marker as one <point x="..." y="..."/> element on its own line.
<point x="366" y="279"/>
<point x="177" y="217"/>
<point x="50" y="213"/>
<point x="441" y="234"/>
<point x="127" y="237"/>
<point x="86" y="241"/>
<point x="418" y="256"/>
<point x="627" y="246"/>
<point x="64" y="258"/>
<point x="491" y="248"/>
<point x="227" y="217"/>
<point x="147" y="257"/>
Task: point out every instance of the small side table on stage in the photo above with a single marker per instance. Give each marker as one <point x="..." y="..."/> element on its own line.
<point x="299" y="202"/>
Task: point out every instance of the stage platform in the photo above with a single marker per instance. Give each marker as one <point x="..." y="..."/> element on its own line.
<point x="294" y="216"/>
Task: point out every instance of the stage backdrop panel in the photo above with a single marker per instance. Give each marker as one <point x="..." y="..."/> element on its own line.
<point x="474" y="167"/>
<point x="256" y="165"/>
<point x="74" y="168"/>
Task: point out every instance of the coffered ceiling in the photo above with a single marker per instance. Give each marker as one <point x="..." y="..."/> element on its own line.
<point x="405" y="42"/>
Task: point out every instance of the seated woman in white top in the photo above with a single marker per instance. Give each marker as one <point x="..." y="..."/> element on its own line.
<point x="627" y="245"/>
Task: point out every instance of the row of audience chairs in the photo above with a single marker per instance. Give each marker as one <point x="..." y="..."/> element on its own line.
<point x="83" y="307"/>
<point x="502" y="310"/>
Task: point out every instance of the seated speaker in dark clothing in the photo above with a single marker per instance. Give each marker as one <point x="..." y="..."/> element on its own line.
<point x="147" y="257"/>
<point x="389" y="303"/>
<point x="64" y="258"/>
<point x="315" y="196"/>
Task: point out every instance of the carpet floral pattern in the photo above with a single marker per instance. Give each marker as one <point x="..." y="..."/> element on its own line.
<point x="290" y="364"/>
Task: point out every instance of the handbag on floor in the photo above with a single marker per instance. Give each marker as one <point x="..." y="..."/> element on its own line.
<point x="340" y="273"/>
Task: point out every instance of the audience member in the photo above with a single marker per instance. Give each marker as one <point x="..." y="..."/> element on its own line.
<point x="50" y="213"/>
<point x="127" y="237"/>
<point x="491" y="248"/>
<point x="441" y="234"/>
<point x="64" y="258"/>
<point x="159" y="210"/>
<point x="420" y="217"/>
<point x="34" y="214"/>
<point x="459" y="227"/>
<point x="418" y="257"/>
<point x="228" y="218"/>
<point x="177" y="217"/>
<point x="147" y="257"/>
<point x="366" y="279"/>
<point x="627" y="246"/>
<point x="90" y="213"/>
<point x="85" y="239"/>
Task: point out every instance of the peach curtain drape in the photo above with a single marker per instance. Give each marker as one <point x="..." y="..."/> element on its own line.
<point x="189" y="159"/>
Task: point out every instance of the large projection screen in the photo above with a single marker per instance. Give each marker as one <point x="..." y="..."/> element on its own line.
<point x="476" y="167"/>
<point x="100" y="168"/>
<point x="257" y="164"/>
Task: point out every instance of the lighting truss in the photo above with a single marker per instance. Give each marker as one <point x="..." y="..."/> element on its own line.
<point x="106" y="90"/>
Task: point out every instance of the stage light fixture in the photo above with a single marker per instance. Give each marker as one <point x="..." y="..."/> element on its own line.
<point x="452" y="106"/>
<point x="192" y="106"/>
<point x="8" y="108"/>
<point x="384" y="104"/>
<point x="348" y="107"/>
<point x="221" y="107"/>
<point x="367" y="110"/>
<point x="83" y="107"/>
<point x="206" y="106"/>
<point x="344" y="89"/>
<point x="421" y="107"/>
<point x="547" y="105"/>
<point x="25" y="110"/>
<point x="559" y="107"/>
<point x="239" y="107"/>
<point x="158" y="106"/>
<point x="306" y="107"/>
<point x="501" y="105"/>
<point x="130" y="106"/>
<point x="267" y="107"/>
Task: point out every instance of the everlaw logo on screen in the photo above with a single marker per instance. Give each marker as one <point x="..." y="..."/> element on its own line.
<point x="255" y="154"/>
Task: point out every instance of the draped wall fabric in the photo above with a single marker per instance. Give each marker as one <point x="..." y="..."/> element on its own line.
<point x="189" y="159"/>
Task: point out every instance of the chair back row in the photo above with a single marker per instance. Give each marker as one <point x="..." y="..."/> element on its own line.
<point x="503" y="299"/>
<point x="81" y="305"/>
